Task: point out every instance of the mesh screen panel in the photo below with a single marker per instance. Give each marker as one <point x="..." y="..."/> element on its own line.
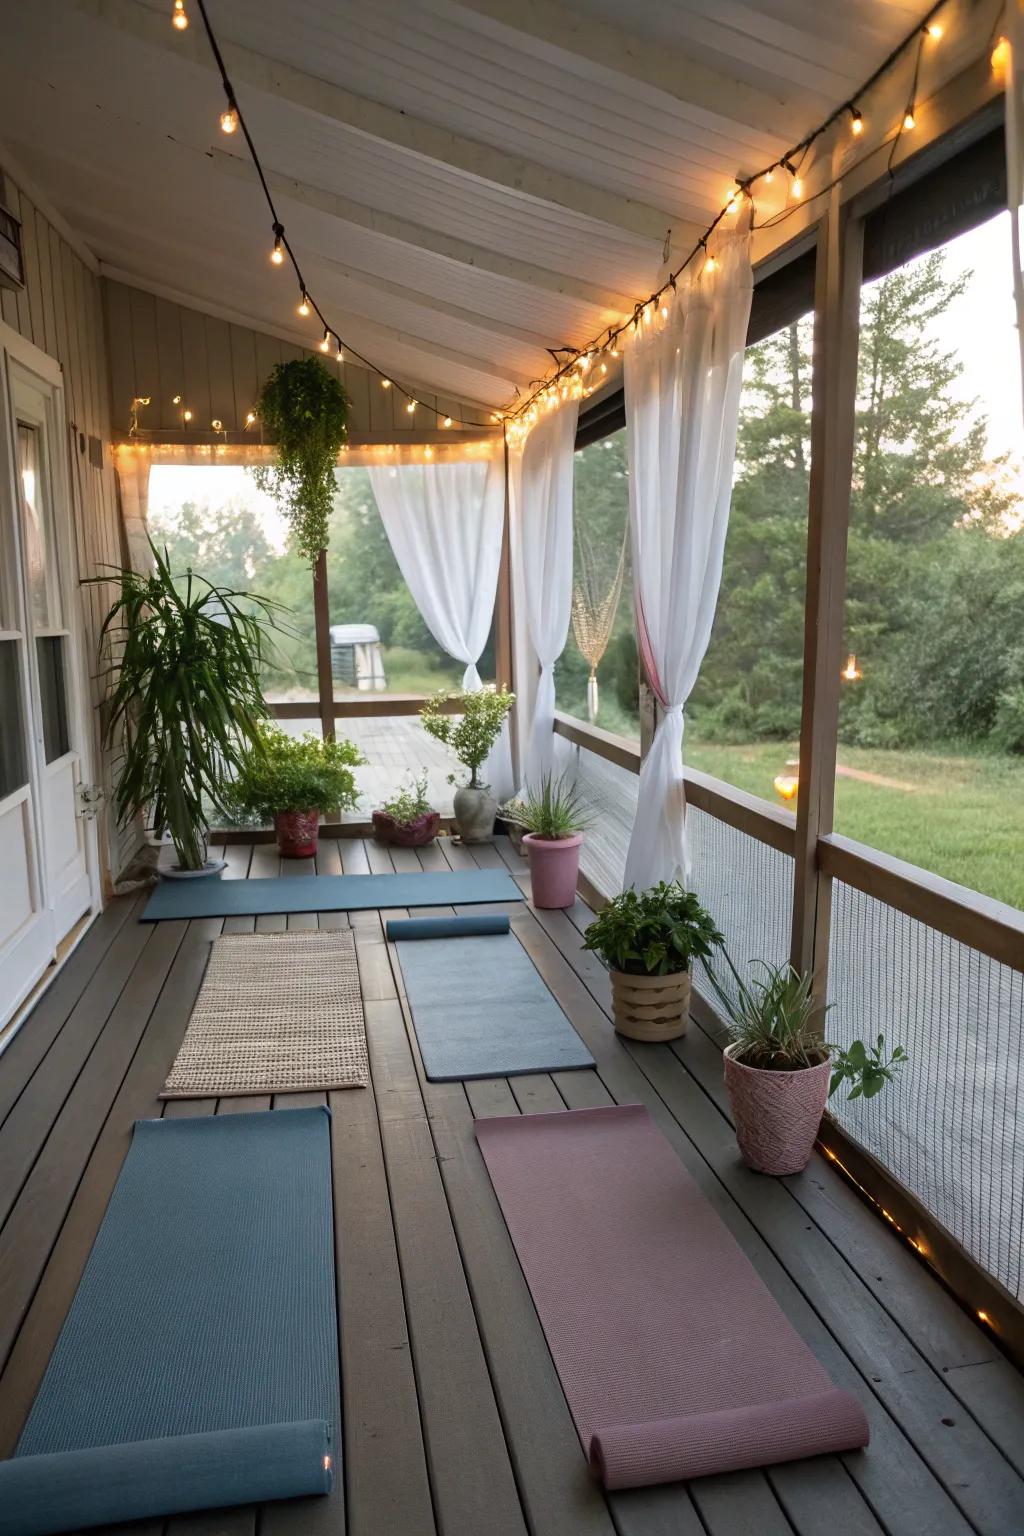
<point x="748" y="889"/>
<point x="610" y="795"/>
<point x="950" y="1129"/>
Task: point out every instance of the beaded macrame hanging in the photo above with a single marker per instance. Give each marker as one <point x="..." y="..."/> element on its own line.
<point x="596" y="589"/>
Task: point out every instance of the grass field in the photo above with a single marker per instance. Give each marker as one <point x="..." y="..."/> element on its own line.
<point x="957" y="814"/>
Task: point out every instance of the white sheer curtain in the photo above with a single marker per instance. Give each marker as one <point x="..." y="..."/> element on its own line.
<point x="682" y="377"/>
<point x="541" y="485"/>
<point x="444" y="521"/>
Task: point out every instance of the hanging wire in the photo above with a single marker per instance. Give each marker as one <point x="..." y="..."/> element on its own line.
<point x="791" y="161"/>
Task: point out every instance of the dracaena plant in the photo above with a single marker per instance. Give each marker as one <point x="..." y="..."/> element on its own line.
<point x="775" y="1021"/>
<point x="182" y="659"/>
<point x="657" y="932"/>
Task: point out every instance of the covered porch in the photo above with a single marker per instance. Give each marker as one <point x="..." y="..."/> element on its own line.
<point x="490" y="233"/>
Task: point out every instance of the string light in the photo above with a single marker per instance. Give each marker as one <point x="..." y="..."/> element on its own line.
<point x="179" y="19"/>
<point x="934" y="30"/>
<point x="385" y="383"/>
<point x="909" y="120"/>
<point x="341" y="353"/>
<point x="217" y="424"/>
<point x="277" y="254"/>
<point x="325" y="345"/>
<point x="175" y="399"/>
<point x="186" y="415"/>
<point x="447" y="422"/>
<point x="857" y="124"/>
<point x="769" y="175"/>
<point x="1000" y="57"/>
<point x="303" y="305"/>
<point x="250" y="418"/>
<point x="229" y="119"/>
<point x="410" y="406"/>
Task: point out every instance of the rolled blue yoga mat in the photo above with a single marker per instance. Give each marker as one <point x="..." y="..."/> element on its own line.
<point x="198" y="1365"/>
<point x="447" y="927"/>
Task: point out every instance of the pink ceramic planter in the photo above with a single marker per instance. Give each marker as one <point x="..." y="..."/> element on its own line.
<point x="298" y="833"/>
<point x="554" y="868"/>
<point x="776" y="1114"/>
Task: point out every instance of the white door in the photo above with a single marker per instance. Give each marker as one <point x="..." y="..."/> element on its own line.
<point x="48" y="864"/>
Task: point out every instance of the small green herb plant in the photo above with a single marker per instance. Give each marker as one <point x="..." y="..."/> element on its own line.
<point x="774" y="1020"/>
<point x="295" y="773"/>
<point x="472" y="732"/>
<point x="411" y="802"/>
<point x="304" y="408"/>
<point x="657" y="932"/>
<point x="182" y="660"/>
<point x="554" y="811"/>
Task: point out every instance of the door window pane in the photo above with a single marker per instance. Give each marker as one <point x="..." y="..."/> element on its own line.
<point x="13" y="760"/>
<point x="53" y="696"/>
<point x="37" y="532"/>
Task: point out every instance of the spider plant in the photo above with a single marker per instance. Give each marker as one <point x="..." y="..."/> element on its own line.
<point x="183" y="660"/>
<point x="555" y="811"/>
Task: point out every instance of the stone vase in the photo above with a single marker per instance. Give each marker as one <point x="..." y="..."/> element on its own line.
<point x="475" y="811"/>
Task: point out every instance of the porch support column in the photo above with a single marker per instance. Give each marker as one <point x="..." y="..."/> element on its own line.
<point x="322" y="622"/>
<point x="834" y="388"/>
<point x="133" y="461"/>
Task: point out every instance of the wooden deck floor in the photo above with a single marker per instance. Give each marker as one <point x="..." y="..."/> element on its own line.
<point x="454" y="1420"/>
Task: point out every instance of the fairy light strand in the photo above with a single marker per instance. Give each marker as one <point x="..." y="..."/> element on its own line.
<point x="567" y="378"/>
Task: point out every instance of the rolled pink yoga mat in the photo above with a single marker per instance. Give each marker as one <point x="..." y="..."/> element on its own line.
<point x="675" y="1359"/>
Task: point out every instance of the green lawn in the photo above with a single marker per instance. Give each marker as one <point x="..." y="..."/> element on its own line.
<point x="960" y="815"/>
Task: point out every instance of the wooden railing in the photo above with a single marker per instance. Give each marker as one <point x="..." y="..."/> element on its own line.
<point x="358" y="706"/>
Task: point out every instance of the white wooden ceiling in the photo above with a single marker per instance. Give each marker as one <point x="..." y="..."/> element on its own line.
<point x="465" y="183"/>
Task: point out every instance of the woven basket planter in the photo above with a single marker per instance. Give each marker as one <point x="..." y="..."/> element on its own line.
<point x="776" y="1114"/>
<point x="651" y="1007"/>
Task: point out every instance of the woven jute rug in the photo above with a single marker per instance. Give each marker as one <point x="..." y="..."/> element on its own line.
<point x="277" y="1013"/>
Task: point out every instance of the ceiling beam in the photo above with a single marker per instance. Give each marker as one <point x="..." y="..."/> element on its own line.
<point x="657" y="66"/>
<point x="387" y="124"/>
<point x="451" y="247"/>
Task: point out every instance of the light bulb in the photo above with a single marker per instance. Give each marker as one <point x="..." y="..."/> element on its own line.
<point x="217" y="424"/>
<point x="325" y="345"/>
<point x="250" y="418"/>
<point x="857" y="125"/>
<point x="1000" y="56"/>
<point x="410" y="406"/>
<point x="447" y="422"/>
<point x="769" y="176"/>
<point x="341" y="353"/>
<point x="710" y="264"/>
<point x="175" y="399"/>
<point x="909" y="120"/>
<point x="385" y="383"/>
<point x="796" y="187"/>
<point x="229" y="120"/>
<point x="303" y="306"/>
<point x="186" y="415"/>
<point x="277" y="254"/>
<point x="179" y="19"/>
<point x="934" y="31"/>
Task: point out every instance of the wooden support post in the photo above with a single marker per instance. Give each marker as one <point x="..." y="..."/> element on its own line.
<point x="322" y="621"/>
<point x="834" y="390"/>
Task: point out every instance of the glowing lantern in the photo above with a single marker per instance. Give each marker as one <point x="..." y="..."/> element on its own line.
<point x="787" y="783"/>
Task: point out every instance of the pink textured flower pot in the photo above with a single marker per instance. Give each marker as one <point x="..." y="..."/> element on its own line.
<point x="297" y="833"/>
<point x="406" y="834"/>
<point x="776" y="1114"/>
<point x="554" y="867"/>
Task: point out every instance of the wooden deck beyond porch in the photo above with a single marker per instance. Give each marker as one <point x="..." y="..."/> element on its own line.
<point x="454" y="1419"/>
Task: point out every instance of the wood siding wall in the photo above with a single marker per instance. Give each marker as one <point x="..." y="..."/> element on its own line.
<point x="160" y="349"/>
<point x="60" y="311"/>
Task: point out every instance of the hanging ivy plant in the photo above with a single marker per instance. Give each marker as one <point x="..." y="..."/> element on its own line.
<point x="304" y="409"/>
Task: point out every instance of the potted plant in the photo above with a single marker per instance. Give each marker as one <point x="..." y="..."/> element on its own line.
<point x="554" y="821"/>
<point x="471" y="734"/>
<point x="407" y="820"/>
<point x="779" y="1070"/>
<point x="184" y="658"/>
<point x="304" y="408"/>
<point x="648" y="940"/>
<point x="287" y="781"/>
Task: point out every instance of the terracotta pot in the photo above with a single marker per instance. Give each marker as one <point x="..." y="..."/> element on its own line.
<point x="651" y="1007"/>
<point x="297" y="833"/>
<point x="554" y="868"/>
<point x="776" y="1114"/>
<point x="406" y="834"/>
<point x="475" y="811"/>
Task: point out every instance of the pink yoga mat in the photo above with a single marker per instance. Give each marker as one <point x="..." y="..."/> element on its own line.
<point x="675" y="1359"/>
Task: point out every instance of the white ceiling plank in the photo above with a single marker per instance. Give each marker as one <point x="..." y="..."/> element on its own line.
<point x="385" y="123"/>
<point x="409" y="233"/>
<point x="619" y="51"/>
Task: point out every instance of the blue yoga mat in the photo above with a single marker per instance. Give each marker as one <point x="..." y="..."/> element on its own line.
<point x="198" y="1366"/>
<point x="213" y="897"/>
<point x="446" y="927"/>
<point x="481" y="1009"/>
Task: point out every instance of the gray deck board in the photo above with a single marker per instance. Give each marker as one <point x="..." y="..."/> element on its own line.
<point x="455" y="1423"/>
